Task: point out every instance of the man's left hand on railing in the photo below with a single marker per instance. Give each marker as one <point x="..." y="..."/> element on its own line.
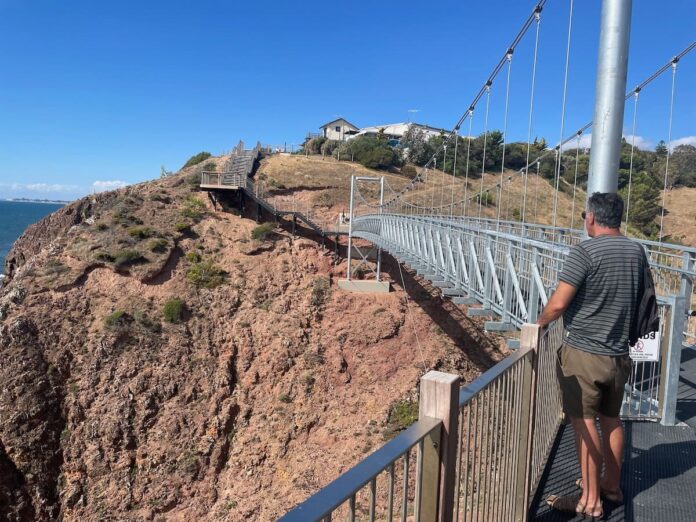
<point x="558" y="303"/>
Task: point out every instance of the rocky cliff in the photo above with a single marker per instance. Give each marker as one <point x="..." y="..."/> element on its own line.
<point x="160" y="364"/>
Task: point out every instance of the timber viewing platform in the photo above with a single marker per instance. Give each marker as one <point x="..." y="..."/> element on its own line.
<point x="238" y="178"/>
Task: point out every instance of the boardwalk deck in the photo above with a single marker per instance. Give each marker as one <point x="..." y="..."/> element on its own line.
<point x="659" y="465"/>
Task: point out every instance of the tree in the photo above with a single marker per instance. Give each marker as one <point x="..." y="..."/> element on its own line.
<point x="661" y="149"/>
<point x="415" y="143"/>
<point x="644" y="204"/>
<point x="374" y="153"/>
<point x="683" y="166"/>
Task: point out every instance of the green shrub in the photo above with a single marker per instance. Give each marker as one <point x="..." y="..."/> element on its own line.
<point x="197" y="158"/>
<point x="104" y="256"/>
<point x="285" y="398"/>
<point x="320" y="290"/>
<point x="124" y="218"/>
<point x="173" y="310"/>
<point x="313" y="146"/>
<point x="142" y="320"/>
<point x="329" y="146"/>
<point x="158" y="245"/>
<point x="193" y="209"/>
<point x="117" y="319"/>
<point x="53" y="267"/>
<point x="211" y="166"/>
<point x="410" y="170"/>
<point x="182" y="227"/>
<point x="259" y="233"/>
<point x="205" y="274"/>
<point x="401" y="415"/>
<point x="374" y="153"/>
<point x="125" y="258"/>
<point x="140" y="232"/>
<point x="193" y="257"/>
<point x="275" y="184"/>
<point x="487" y="199"/>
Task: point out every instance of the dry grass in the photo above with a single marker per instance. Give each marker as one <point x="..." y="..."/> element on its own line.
<point x="680" y="220"/>
<point x="324" y="184"/>
<point x="441" y="189"/>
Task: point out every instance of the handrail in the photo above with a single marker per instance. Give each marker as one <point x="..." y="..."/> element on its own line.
<point x="502" y="441"/>
<point x="471" y="390"/>
<point x="323" y="503"/>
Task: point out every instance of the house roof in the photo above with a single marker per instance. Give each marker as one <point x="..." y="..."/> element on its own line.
<point x="398" y="129"/>
<point x="339" y="119"/>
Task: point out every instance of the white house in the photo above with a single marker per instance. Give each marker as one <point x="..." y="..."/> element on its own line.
<point x="339" y="129"/>
<point x="396" y="131"/>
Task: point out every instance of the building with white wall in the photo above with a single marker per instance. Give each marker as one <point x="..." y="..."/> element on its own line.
<point x="396" y="131"/>
<point x="339" y="129"/>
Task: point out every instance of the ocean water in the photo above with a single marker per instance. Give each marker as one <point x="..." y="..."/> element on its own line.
<point x="15" y="217"/>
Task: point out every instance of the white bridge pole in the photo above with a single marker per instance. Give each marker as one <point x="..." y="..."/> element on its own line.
<point x="610" y="92"/>
<point x="350" y="227"/>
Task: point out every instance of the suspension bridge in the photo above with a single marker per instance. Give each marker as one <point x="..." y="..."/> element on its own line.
<point x="496" y="241"/>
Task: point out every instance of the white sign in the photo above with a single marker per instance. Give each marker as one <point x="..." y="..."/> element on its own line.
<point x="647" y="348"/>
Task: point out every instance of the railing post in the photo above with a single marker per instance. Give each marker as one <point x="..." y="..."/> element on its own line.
<point x="529" y="338"/>
<point x="670" y="377"/>
<point x="533" y="303"/>
<point x="439" y="398"/>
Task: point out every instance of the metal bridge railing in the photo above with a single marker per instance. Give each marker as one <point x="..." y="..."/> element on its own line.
<point x="509" y="267"/>
<point x="511" y="275"/>
<point x="491" y="436"/>
<point x="382" y="486"/>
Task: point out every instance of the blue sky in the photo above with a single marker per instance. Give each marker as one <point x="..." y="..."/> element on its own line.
<point x="106" y="92"/>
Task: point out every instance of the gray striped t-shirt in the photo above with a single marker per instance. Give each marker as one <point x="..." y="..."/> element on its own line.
<point x="607" y="271"/>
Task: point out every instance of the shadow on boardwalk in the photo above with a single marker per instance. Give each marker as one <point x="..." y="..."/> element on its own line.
<point x="659" y="469"/>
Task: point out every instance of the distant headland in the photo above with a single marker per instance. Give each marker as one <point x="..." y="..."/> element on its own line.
<point x="28" y="200"/>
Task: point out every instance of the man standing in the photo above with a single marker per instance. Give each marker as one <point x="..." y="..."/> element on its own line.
<point x="598" y="296"/>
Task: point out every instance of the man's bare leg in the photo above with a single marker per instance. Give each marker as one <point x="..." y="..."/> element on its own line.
<point x="590" y="455"/>
<point x="612" y="449"/>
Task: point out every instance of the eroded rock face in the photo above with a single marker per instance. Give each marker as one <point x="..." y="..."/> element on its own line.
<point x="269" y="384"/>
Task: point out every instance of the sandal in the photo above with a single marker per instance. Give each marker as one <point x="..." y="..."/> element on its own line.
<point x="612" y="496"/>
<point x="593" y="516"/>
<point x="568" y="504"/>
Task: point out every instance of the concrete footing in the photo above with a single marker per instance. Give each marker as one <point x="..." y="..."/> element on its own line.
<point x="480" y="312"/>
<point x="355" y="285"/>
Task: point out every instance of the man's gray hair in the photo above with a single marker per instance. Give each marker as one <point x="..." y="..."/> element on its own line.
<point x="607" y="208"/>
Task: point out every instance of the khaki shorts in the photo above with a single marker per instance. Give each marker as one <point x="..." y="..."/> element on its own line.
<point x="591" y="383"/>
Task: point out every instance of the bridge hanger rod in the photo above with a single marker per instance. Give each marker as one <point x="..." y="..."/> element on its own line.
<point x="631" y="93"/>
<point x="489" y="81"/>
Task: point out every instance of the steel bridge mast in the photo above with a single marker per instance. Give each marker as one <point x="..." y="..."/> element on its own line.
<point x="610" y="93"/>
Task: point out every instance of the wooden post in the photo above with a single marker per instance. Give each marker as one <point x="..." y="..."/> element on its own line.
<point x="439" y="398"/>
<point x="529" y="339"/>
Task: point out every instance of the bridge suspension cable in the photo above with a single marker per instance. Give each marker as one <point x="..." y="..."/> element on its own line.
<point x="485" y="89"/>
<point x="556" y="149"/>
<point x="485" y="141"/>
<point x="669" y="147"/>
<point x="630" y="165"/>
<point x="505" y="122"/>
<point x="563" y="110"/>
<point x="531" y="112"/>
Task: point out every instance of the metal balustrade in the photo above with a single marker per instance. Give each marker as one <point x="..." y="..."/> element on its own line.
<point x="511" y="269"/>
<point x="482" y="463"/>
<point x="388" y="485"/>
